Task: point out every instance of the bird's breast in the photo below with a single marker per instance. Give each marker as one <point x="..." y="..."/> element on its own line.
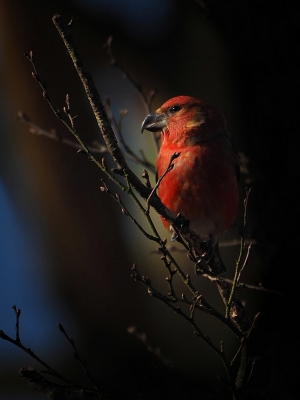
<point x="202" y="187"/>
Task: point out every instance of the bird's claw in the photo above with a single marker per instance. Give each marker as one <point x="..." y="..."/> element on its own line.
<point x="202" y="265"/>
<point x="181" y="224"/>
<point x="174" y="235"/>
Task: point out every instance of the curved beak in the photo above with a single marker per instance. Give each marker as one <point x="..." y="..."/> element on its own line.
<point x="154" y="122"/>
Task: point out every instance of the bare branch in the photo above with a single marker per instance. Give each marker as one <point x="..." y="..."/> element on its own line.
<point x="126" y="212"/>
<point x="168" y="169"/>
<point x="17" y="327"/>
<point x="238" y="267"/>
<point x="146" y="101"/>
<point x="17" y="342"/>
<point x="54" y="390"/>
<point x="117" y="126"/>
<point x="78" y="358"/>
<point x="102" y="119"/>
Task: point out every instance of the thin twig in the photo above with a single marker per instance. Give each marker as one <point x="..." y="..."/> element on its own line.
<point x="65" y="31"/>
<point x="244" y="264"/>
<point x="17" y="327"/>
<point x="17" y="342"/>
<point x="54" y="390"/>
<point x="168" y="169"/>
<point x="71" y="127"/>
<point x="237" y="271"/>
<point x="259" y="288"/>
<point x="97" y="106"/>
<point x="125" y="211"/>
<point x="117" y="126"/>
<point x="78" y="358"/>
<point x="146" y="101"/>
<point x="168" y="301"/>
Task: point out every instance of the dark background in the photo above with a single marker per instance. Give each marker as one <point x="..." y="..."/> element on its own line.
<point x="66" y="250"/>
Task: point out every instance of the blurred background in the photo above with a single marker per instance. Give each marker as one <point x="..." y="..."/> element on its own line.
<point x="65" y="248"/>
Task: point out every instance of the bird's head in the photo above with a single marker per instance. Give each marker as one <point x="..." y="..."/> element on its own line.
<point x="182" y="116"/>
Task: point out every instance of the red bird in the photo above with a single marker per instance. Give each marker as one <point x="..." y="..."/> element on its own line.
<point x="203" y="185"/>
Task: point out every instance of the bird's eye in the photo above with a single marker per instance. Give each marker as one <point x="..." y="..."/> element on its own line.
<point x="175" y="108"/>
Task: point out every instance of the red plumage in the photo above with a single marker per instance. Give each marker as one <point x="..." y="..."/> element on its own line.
<point x="203" y="185"/>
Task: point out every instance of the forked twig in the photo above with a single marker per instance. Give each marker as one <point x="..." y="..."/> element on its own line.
<point x="168" y="169"/>
<point x="17" y="342"/>
<point x="78" y="358"/>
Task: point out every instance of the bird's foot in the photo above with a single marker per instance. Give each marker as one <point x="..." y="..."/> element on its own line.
<point x="202" y="265"/>
<point x="212" y="258"/>
<point x="181" y="224"/>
